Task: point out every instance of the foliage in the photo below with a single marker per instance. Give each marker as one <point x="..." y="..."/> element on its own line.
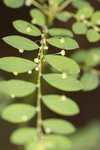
<point x="49" y="134"/>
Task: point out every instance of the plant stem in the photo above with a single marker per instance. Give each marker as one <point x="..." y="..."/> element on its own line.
<point x="39" y="92"/>
<point x="65" y="4"/>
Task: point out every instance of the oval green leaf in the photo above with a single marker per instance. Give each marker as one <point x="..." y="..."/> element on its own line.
<point x="90" y="81"/>
<point x="24" y="135"/>
<point x="79" y="28"/>
<point x="20" y="42"/>
<point x="96" y="18"/>
<point x="26" y="28"/>
<point x="63" y="43"/>
<point x="18" y="113"/>
<point x="17" y="88"/>
<point x="60" y="32"/>
<point x="58" y="126"/>
<point x="16" y="65"/>
<point x="85" y="12"/>
<point x="80" y="4"/>
<point x="63" y="82"/>
<point x="38" y="17"/>
<point x="61" y="105"/>
<point x="63" y="64"/>
<point x="14" y="3"/>
<point x="92" y="35"/>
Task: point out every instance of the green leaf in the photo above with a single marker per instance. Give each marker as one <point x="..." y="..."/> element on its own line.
<point x="22" y="136"/>
<point x="61" y="105"/>
<point x="58" y="126"/>
<point x="96" y="17"/>
<point x="85" y="12"/>
<point x="57" y="142"/>
<point x="92" y="35"/>
<point x="63" y="64"/>
<point x="18" y="113"/>
<point x="63" y="16"/>
<point x="90" y="81"/>
<point x="63" y="43"/>
<point x="79" y="28"/>
<point x="17" y="88"/>
<point x="93" y="57"/>
<point x="63" y="82"/>
<point x="26" y="28"/>
<point x="60" y="32"/>
<point x="20" y="42"/>
<point x="14" y="3"/>
<point x="80" y="4"/>
<point x="16" y="65"/>
<point x="38" y="17"/>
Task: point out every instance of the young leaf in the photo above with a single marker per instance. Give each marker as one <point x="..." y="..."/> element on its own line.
<point x="96" y="17"/>
<point x="63" y="64"/>
<point x="58" y="126"/>
<point x="85" y="12"/>
<point x="16" y="65"/>
<point x="18" y="113"/>
<point x="92" y="35"/>
<point x="20" y="42"/>
<point x="24" y="135"/>
<point x="80" y="4"/>
<point x="14" y="3"/>
<point x="38" y="17"/>
<point x="63" y="82"/>
<point x="17" y="88"/>
<point x="63" y="16"/>
<point x="63" y="43"/>
<point x="26" y="28"/>
<point x="61" y="105"/>
<point x="57" y="142"/>
<point x="79" y="28"/>
<point x="60" y="32"/>
<point x="90" y="81"/>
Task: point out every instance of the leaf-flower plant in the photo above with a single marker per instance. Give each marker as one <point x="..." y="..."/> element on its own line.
<point x="63" y="74"/>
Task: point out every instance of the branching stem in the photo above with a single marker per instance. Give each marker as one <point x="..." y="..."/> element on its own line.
<point x="87" y="22"/>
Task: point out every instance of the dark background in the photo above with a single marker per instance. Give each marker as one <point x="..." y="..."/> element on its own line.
<point x="89" y="102"/>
